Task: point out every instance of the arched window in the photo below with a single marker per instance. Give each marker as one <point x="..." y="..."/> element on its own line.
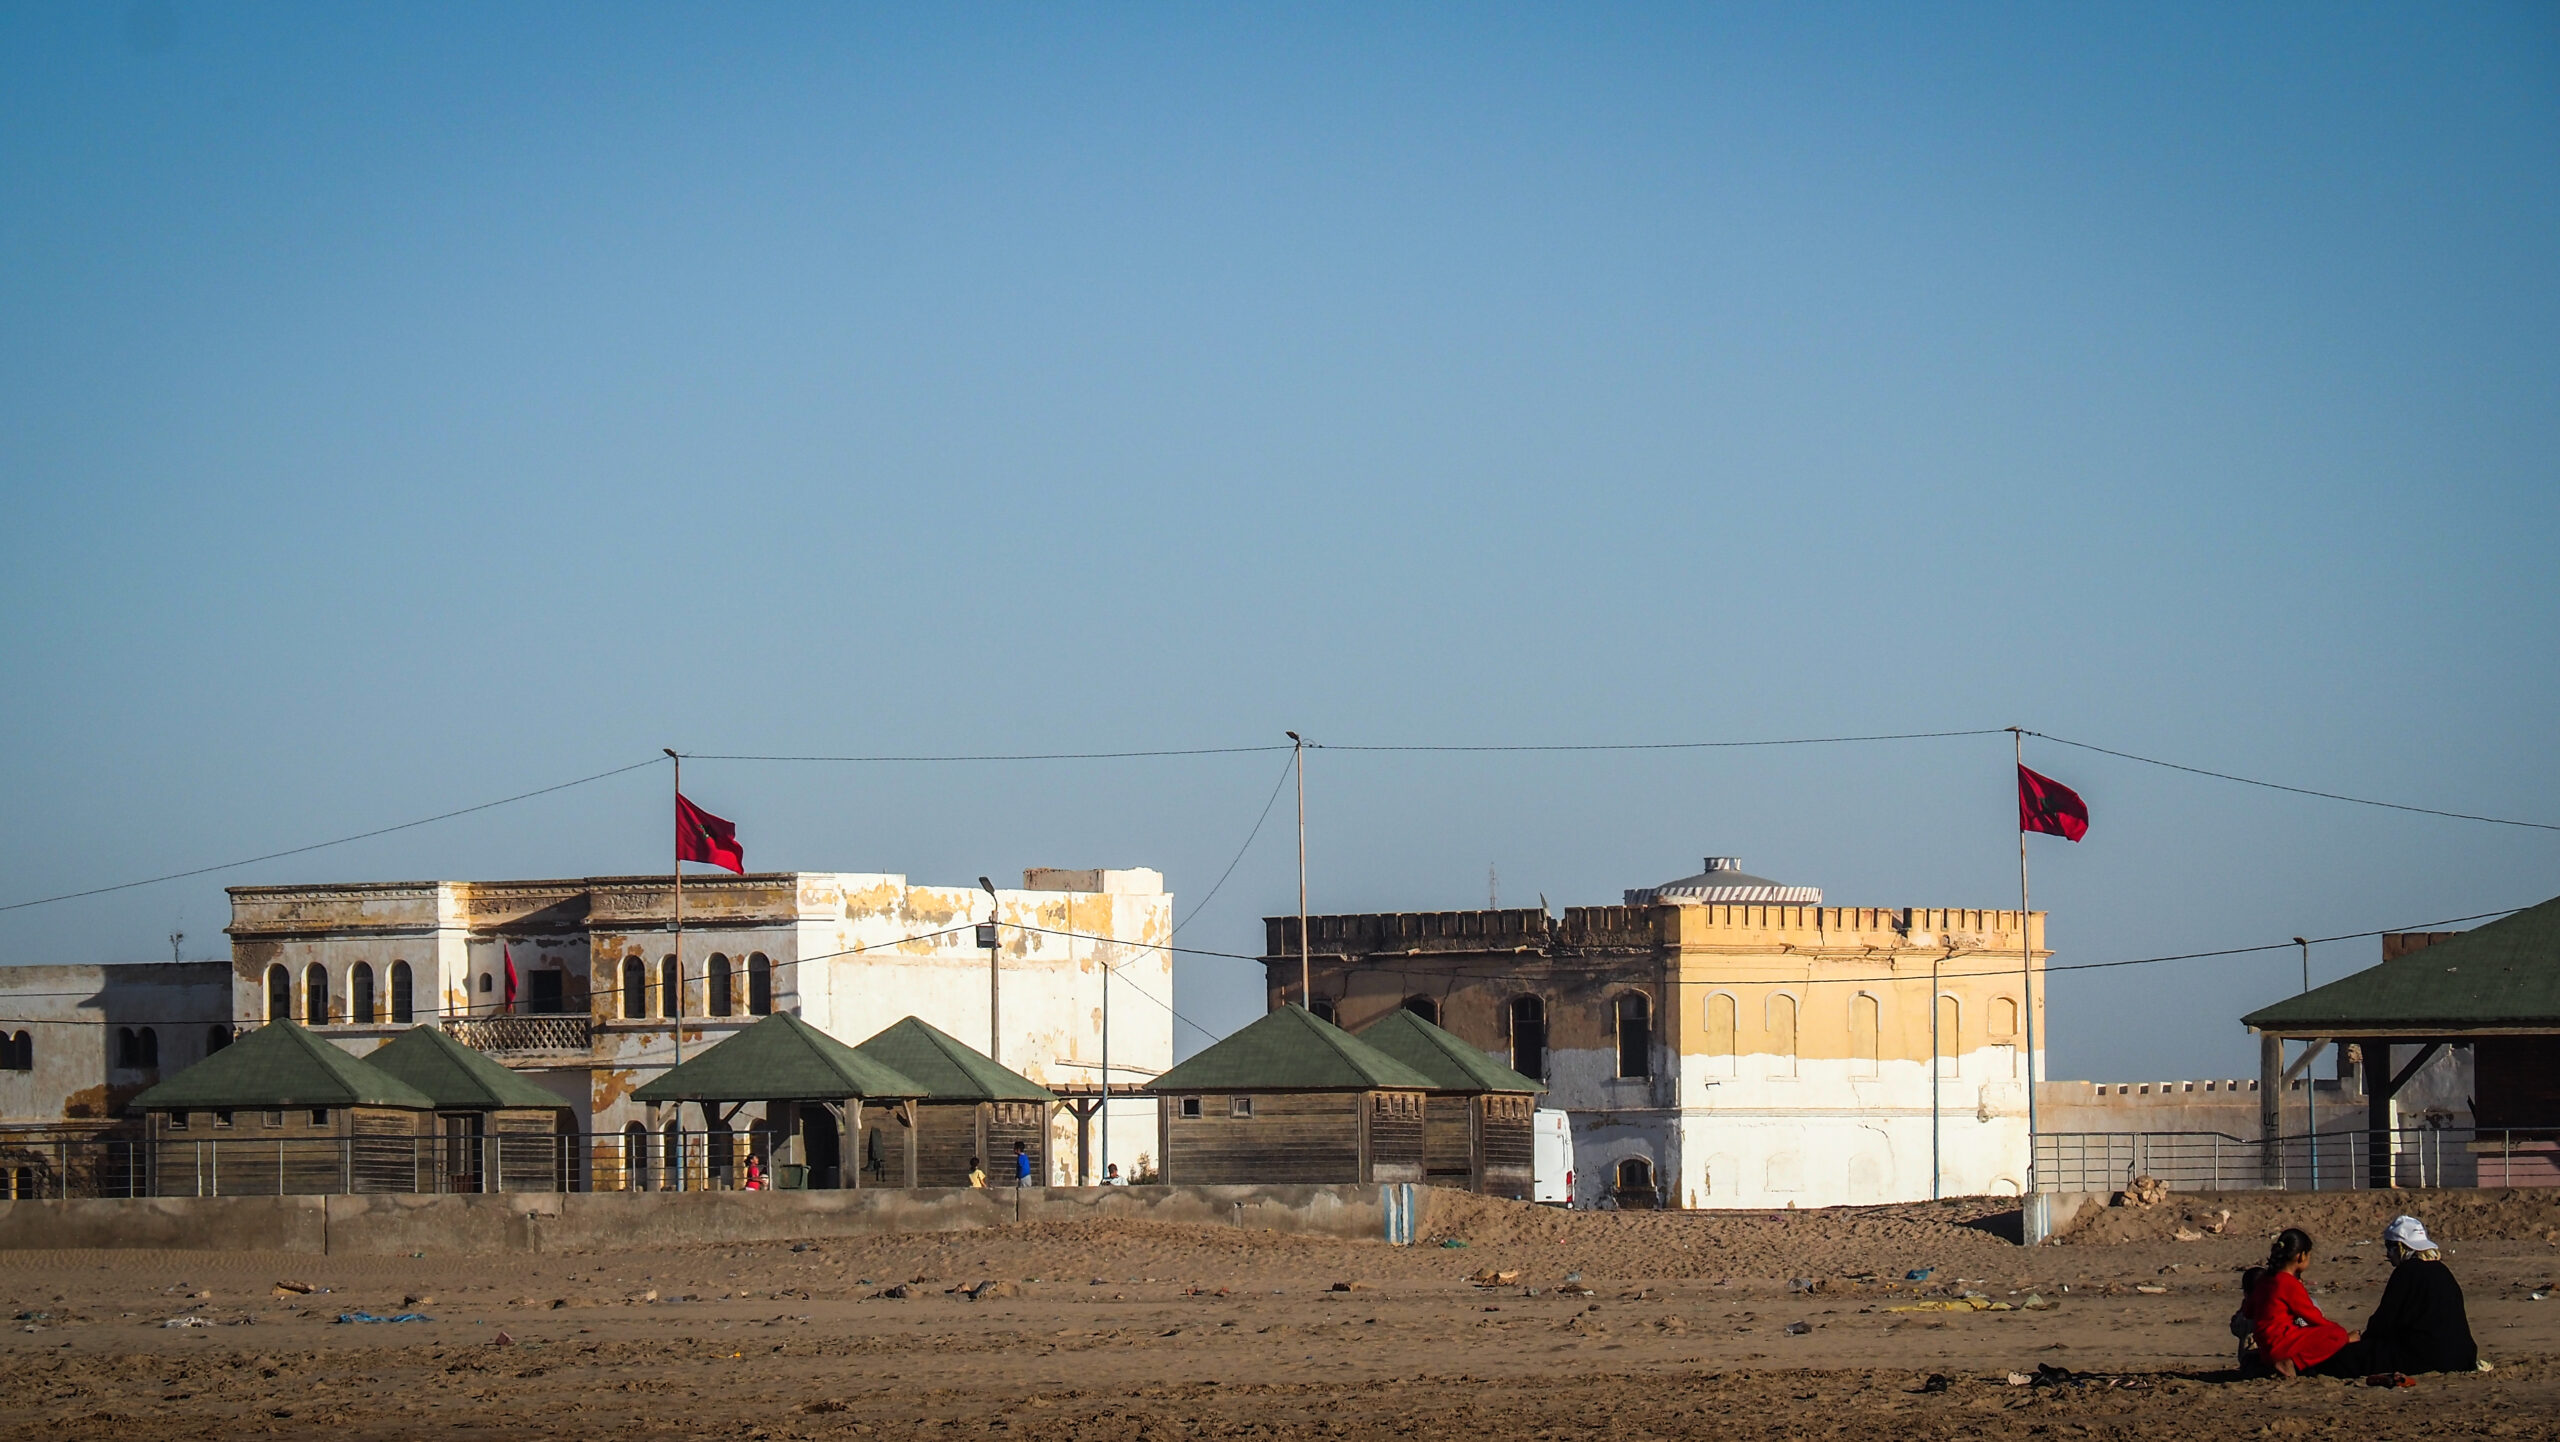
<point x="1635" y="1035"/>
<point x="315" y="995"/>
<point x="1950" y="1035"/>
<point x="759" y="985"/>
<point x="1323" y="1010"/>
<point x="25" y="1059"/>
<point x="1423" y="1007"/>
<point x="1723" y="1040"/>
<point x="128" y="1048"/>
<point x="1866" y="1036"/>
<point x="2004" y="1030"/>
<point x="668" y="983"/>
<point x="635" y="1153"/>
<point x="1529" y="1036"/>
<point x="279" y="993"/>
<point x="1782" y="1034"/>
<point x="402" y="1009"/>
<point x="715" y="986"/>
<point x="635" y="989"/>
<point x="216" y="1038"/>
<point x="1635" y="1180"/>
<point x="360" y="995"/>
<point x="147" y="1041"/>
<point x="2004" y="1016"/>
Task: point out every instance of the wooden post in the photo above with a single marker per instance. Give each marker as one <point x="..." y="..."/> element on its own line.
<point x="2270" y="1109"/>
<point x="915" y="1119"/>
<point x="2377" y="1112"/>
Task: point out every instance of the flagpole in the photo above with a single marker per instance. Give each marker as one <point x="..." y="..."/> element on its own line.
<point x="2026" y="964"/>
<point x="678" y="865"/>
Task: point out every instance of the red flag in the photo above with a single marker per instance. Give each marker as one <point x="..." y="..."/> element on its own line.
<point x="2047" y="805"/>
<point x="703" y="837"/>
<point x="511" y="978"/>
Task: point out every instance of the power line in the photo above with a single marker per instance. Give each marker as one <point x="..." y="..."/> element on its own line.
<point x="323" y="845"/>
<point x="1010" y="756"/>
<point x="1671" y="745"/>
<point x="1198" y="906"/>
<point x="2296" y="790"/>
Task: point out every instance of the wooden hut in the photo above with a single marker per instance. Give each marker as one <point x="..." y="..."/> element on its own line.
<point x="496" y="1130"/>
<point x="278" y="1112"/>
<point x="814" y="1089"/>
<point x="1476" y="1119"/>
<point x="972" y="1107"/>
<point x="1291" y="1098"/>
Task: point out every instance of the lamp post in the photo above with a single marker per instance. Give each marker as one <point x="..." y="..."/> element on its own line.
<point x="1306" y="983"/>
<point x="987" y="939"/>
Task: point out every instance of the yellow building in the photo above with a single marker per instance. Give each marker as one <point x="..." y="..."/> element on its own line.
<point x="1724" y="1040"/>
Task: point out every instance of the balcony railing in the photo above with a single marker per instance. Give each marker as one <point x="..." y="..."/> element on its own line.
<point x="503" y="1034"/>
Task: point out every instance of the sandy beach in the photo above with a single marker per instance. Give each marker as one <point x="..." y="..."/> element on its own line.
<point x="1621" y="1325"/>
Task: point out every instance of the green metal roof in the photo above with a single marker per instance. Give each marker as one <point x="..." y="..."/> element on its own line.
<point x="1452" y="1064"/>
<point x="1291" y="1050"/>
<point x="279" y="1065"/>
<point x="2505" y="975"/>
<point x="780" y="1058"/>
<point x="457" y="1076"/>
<point x="948" y="1068"/>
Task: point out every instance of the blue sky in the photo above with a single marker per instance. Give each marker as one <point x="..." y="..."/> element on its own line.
<point x="405" y="407"/>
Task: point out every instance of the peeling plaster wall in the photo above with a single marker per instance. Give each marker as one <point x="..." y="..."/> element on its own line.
<point x="72" y="1016"/>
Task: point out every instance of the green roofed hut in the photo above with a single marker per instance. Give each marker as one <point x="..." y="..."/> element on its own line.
<point x="282" y="1112"/>
<point x="2494" y="989"/>
<point x="1476" y="1119"/>
<point x="1291" y="1098"/>
<point x="816" y="1092"/>
<point x="972" y="1107"/>
<point x="497" y="1130"/>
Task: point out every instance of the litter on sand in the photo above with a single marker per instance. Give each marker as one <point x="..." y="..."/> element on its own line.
<point x="399" y="1317"/>
<point x="1970" y="1302"/>
<point x="186" y="1322"/>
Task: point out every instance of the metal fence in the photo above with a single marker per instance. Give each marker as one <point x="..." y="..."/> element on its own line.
<point x="2336" y="1160"/>
<point x="662" y="1160"/>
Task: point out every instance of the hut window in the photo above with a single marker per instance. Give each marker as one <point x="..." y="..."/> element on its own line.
<point x="670" y="984"/>
<point x="279" y="993"/>
<point x="275" y="1118"/>
<point x="1782" y="1035"/>
<point x="759" y="985"/>
<point x="635" y="989"/>
<point x="319" y="1116"/>
<point x="1635" y="1035"/>
<point x="177" y="1121"/>
<point x="1191" y="1106"/>
<point x="1866" y="1036"/>
<point x="315" y="995"/>
<point x="1240" y="1107"/>
<point x="360" y="995"/>
<point x="715" y="983"/>
<point x="222" y="1119"/>
<point x="216" y="1038"/>
<point x="1529" y="1036"/>
<point x="401" y="1007"/>
<point x="1423" y="1007"/>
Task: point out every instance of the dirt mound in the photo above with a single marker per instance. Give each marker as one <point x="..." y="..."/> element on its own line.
<point x="2335" y="1218"/>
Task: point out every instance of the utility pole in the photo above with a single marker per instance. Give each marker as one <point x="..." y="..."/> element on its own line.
<point x="174" y="938"/>
<point x="1104" y="956"/>
<point x="2310" y="1083"/>
<point x="676" y="1008"/>
<point x="995" y="980"/>
<point x="1306" y="972"/>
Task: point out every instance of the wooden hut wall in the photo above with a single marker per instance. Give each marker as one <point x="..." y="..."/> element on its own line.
<point x="1449" y="1140"/>
<point x="1507" y="1145"/>
<point x="1291" y="1137"/>
<point x="528" y="1149"/>
<point x="385" y="1152"/>
<point x="1009" y="1123"/>
<point x="946" y="1138"/>
<point x="268" y="1152"/>
<point x="1395" y="1145"/>
<point x="880" y="1153"/>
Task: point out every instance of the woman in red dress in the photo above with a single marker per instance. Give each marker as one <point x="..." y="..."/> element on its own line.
<point x="2293" y="1337"/>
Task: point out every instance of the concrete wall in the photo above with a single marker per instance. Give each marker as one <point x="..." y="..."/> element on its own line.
<point x="613" y="1221"/>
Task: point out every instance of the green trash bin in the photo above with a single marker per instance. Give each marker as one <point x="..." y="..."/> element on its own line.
<point x="791" y="1177"/>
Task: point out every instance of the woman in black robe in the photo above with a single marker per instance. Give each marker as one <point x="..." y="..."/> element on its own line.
<point x="2420" y="1324"/>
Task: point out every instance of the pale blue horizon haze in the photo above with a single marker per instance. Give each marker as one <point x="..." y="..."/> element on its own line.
<point x="403" y="407"/>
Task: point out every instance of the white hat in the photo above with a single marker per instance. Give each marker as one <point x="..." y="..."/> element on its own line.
<point x="2409" y="1233"/>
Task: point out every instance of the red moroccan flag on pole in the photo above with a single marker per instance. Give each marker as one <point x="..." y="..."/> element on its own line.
<point x="2047" y="805"/>
<point x="703" y="837"/>
<point x="511" y="978"/>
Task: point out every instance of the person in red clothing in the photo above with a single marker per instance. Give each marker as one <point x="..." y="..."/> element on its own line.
<point x="2292" y="1336"/>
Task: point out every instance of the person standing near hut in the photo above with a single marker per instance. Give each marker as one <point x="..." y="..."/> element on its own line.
<point x="1021" y="1165"/>
<point x="977" y="1174"/>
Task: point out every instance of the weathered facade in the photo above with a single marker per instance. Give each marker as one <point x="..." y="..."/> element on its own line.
<point x="77" y="1042"/>
<point x="1723" y="1041"/>
<point x="598" y="998"/>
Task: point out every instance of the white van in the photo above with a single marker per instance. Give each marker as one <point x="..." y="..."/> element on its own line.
<point x="1551" y="1158"/>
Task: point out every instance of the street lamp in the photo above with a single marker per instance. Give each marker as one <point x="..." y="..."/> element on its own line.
<point x="987" y="939"/>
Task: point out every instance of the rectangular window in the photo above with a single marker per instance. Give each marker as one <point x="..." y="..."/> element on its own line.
<point x="1191" y="1106"/>
<point x="1240" y="1106"/>
<point x="177" y="1121"/>
<point x="222" y="1119"/>
<point x="275" y="1119"/>
<point x="319" y="1116"/>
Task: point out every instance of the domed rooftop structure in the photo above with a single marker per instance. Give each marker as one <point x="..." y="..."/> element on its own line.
<point x="1723" y="883"/>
